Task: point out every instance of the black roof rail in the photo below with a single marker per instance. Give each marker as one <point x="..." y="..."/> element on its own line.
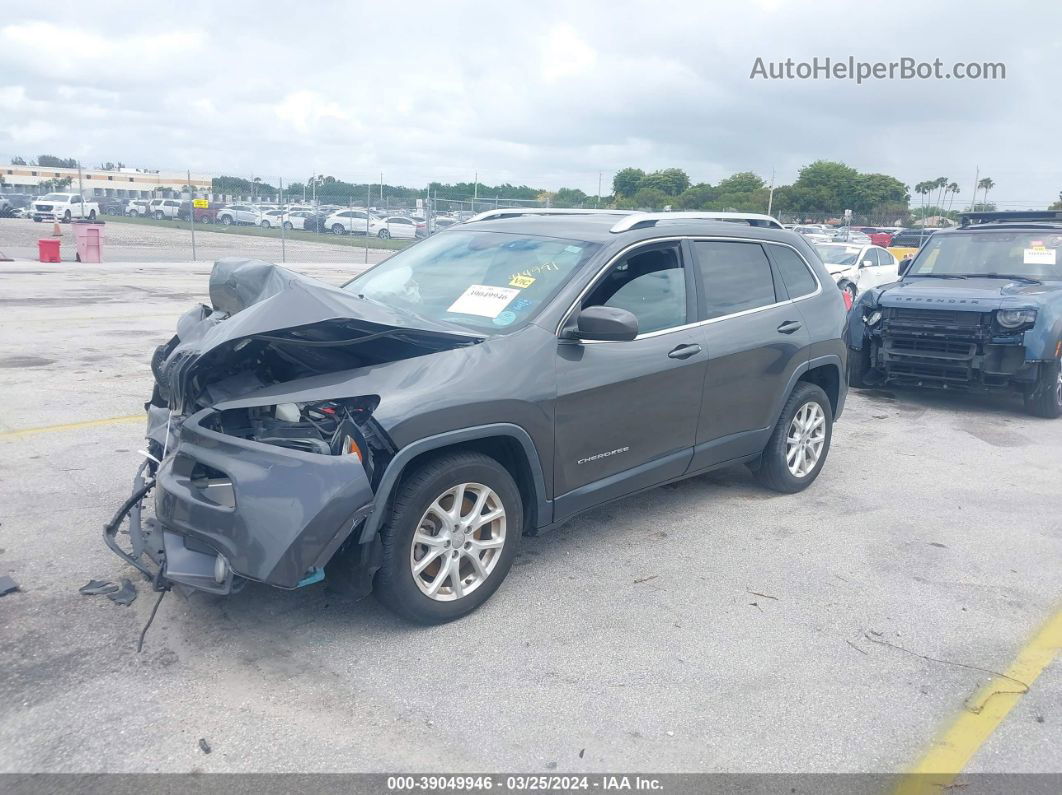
<point x="1009" y="216"/>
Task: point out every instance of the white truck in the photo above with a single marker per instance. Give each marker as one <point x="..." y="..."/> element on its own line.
<point x="63" y="207"/>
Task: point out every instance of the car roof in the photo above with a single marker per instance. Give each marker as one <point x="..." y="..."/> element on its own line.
<point x="596" y="228"/>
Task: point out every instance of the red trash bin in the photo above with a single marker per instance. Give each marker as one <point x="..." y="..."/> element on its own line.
<point x="88" y="237"/>
<point x="48" y="249"/>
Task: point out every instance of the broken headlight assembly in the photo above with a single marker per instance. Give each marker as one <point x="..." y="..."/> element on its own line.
<point x="1015" y="318"/>
<point x="871" y="317"/>
<point x="327" y="427"/>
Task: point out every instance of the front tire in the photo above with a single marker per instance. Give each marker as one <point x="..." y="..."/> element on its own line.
<point x="858" y="365"/>
<point x="798" y="447"/>
<point x="383" y="234"/>
<point x="1045" y="398"/>
<point x="226" y="220"/>
<point x="288" y="225"/>
<point x="337" y="229"/>
<point x="265" y="224"/>
<point x="92" y="215"/>
<point x="450" y="538"/>
<point x="66" y="217"/>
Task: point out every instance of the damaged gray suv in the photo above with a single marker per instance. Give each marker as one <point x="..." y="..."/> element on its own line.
<point x="402" y="432"/>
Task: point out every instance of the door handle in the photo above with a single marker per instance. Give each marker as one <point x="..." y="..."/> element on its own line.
<point x="789" y="327"/>
<point x="684" y="351"/>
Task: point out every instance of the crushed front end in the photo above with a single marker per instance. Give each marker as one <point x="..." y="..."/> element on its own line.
<point x="963" y="348"/>
<point x="261" y="462"/>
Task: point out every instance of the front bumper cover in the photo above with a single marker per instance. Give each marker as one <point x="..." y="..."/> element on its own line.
<point x="285" y="512"/>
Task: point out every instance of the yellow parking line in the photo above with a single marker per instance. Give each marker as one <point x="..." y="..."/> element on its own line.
<point x="70" y="426"/>
<point x="982" y="714"/>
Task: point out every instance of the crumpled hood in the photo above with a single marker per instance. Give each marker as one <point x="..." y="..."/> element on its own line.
<point x="253" y="300"/>
<point x="978" y="295"/>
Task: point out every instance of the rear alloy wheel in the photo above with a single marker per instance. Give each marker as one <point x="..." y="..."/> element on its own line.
<point x="1045" y="398"/>
<point x="383" y="234"/>
<point x="337" y="229"/>
<point x="798" y="447"/>
<point x="450" y="538"/>
<point x="288" y="225"/>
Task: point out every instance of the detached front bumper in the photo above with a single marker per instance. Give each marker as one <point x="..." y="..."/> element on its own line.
<point x="227" y="506"/>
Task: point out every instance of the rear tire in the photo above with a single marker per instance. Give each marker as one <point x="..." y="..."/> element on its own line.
<point x="92" y="215"/>
<point x="1045" y="398"/>
<point x="288" y="225"/>
<point x="66" y="217"/>
<point x="783" y="455"/>
<point x="404" y="591"/>
<point x="265" y="224"/>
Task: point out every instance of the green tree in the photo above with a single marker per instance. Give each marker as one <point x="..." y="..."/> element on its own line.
<point x="18" y="161"/>
<point x="741" y="192"/>
<point x="824" y="188"/>
<point x="645" y="199"/>
<point x="671" y="181"/>
<point x="569" y="197"/>
<point x="57" y="184"/>
<point x="51" y="161"/>
<point x="627" y="181"/>
<point x="695" y="197"/>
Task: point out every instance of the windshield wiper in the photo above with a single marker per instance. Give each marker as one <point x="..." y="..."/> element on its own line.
<point x="1013" y="276"/>
<point x="939" y="275"/>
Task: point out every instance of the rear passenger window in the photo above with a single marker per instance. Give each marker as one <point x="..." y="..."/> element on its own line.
<point x="736" y="277"/>
<point x="798" y="279"/>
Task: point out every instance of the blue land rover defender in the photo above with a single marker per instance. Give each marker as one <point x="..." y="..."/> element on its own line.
<point x="979" y="307"/>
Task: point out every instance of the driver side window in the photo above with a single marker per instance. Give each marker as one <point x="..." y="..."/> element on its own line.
<point x="651" y="285"/>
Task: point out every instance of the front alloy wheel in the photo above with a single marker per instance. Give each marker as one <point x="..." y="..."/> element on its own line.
<point x="450" y="537"/>
<point x="458" y="542"/>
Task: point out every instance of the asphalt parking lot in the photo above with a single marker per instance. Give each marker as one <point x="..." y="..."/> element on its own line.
<point x="705" y="626"/>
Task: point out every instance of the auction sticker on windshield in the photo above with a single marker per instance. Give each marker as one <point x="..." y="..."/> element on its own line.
<point x="1039" y="256"/>
<point x="483" y="300"/>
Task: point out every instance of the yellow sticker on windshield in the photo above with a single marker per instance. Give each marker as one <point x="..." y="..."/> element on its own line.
<point x="521" y="281"/>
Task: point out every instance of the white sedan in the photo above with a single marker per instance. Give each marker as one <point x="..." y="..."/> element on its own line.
<point x="347" y="222"/>
<point x="397" y="226"/>
<point x="858" y="267"/>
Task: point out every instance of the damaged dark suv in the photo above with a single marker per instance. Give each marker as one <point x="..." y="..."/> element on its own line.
<point x="403" y="431"/>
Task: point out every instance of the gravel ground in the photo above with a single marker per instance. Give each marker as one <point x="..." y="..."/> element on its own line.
<point x="704" y="626"/>
<point x="143" y="243"/>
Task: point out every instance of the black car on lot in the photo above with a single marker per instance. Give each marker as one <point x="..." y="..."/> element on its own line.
<point x="911" y="237"/>
<point x="494" y="380"/>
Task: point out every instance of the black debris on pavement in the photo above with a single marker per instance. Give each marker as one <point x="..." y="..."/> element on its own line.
<point x="95" y="587"/>
<point x="7" y="585"/>
<point x="204" y="746"/>
<point x="125" y="596"/>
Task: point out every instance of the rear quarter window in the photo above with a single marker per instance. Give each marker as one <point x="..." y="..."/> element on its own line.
<point x="795" y="272"/>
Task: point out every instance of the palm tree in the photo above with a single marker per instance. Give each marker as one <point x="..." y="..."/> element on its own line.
<point x="940" y="183"/>
<point x="953" y="189"/>
<point x="922" y="189"/>
<point x="986" y="185"/>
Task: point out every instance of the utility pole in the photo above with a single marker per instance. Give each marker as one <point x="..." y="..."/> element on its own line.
<point x="770" y="196"/>
<point x="381" y="187"/>
<point x="977" y="178"/>
<point x="368" y="198"/>
<point x="598" y="202"/>
<point x="81" y="190"/>
<point x="191" y="212"/>
<point x="283" y="222"/>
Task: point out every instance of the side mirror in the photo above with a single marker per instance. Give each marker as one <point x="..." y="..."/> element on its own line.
<point x="867" y="263"/>
<point x="605" y="323"/>
<point x="904" y="266"/>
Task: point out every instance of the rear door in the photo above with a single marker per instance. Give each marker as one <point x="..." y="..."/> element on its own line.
<point x="884" y="270"/>
<point x="756" y="338"/>
<point x="626" y="412"/>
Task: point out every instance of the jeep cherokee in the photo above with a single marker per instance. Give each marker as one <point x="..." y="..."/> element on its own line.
<point x="491" y="381"/>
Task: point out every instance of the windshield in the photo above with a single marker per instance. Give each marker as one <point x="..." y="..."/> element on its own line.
<point x="838" y="254"/>
<point x="55" y="197"/>
<point x="485" y="281"/>
<point x="1031" y="255"/>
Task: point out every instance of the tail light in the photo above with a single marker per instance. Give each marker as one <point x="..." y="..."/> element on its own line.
<point x="847" y="299"/>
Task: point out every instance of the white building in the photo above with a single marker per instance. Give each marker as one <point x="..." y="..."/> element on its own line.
<point x="121" y="183"/>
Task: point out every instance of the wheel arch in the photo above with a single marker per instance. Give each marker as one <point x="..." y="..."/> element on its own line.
<point x="823" y="371"/>
<point x="510" y="445"/>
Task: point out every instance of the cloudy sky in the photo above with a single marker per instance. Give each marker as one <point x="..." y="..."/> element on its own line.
<point x="542" y="93"/>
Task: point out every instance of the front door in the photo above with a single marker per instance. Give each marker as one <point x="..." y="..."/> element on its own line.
<point x="626" y="412"/>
